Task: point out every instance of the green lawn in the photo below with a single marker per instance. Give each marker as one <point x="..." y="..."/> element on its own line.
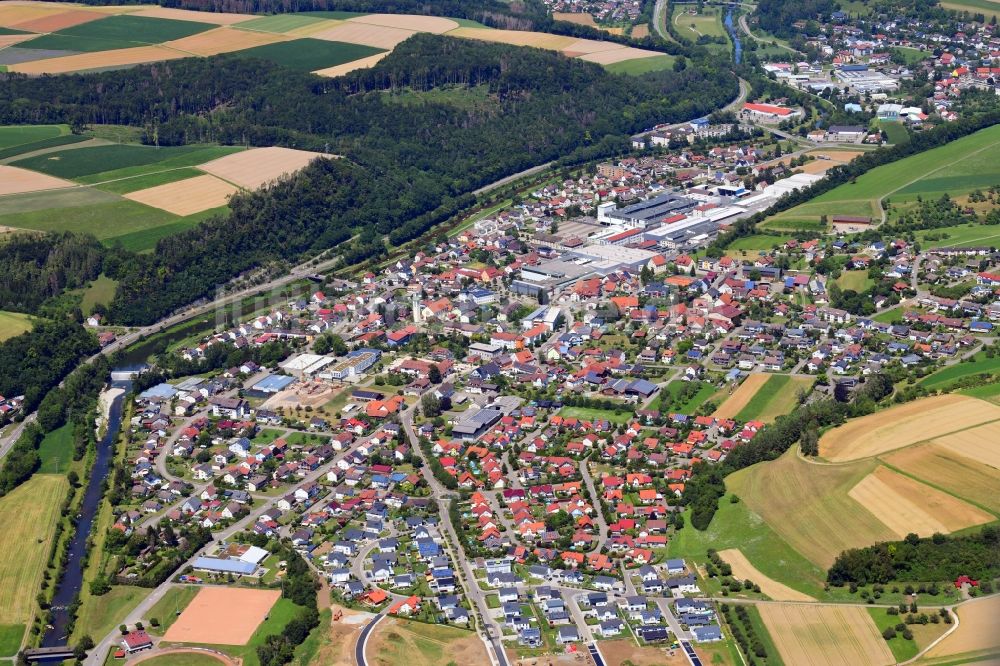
<point x="856" y="280"/>
<point x="116" y="32"/>
<point x="56" y="451"/>
<point x="102" y="163"/>
<point x="101" y="290"/>
<point x="902" y="649"/>
<point x="128" y="217"/>
<point x="99" y="617"/>
<point x="890" y="315"/>
<point x="642" y="65"/>
<point x="309" y="54"/>
<point x="590" y="414"/>
<point x="170" y="606"/>
<point x="895" y="131"/>
<point x="693" y="26"/>
<point x="10" y="638"/>
<point x="911" y="55"/>
<point x="962" y="235"/>
<point x="758" y="242"/>
<point x="792" y="224"/>
<point x="735" y="526"/>
<point x="705" y="391"/>
<point x="13" y="324"/>
<point x="945" y="376"/>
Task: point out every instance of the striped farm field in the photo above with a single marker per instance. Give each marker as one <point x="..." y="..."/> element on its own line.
<point x="254" y="168"/>
<point x="117" y="32"/>
<point x="186" y="197"/>
<point x="960" y="475"/>
<point x="739" y="399"/>
<point x="827" y="635"/>
<point x="975" y="640"/>
<point x="903" y="425"/>
<point x="775" y="398"/>
<point x="281" y="23"/>
<point x="433" y="24"/>
<point x="808" y="505"/>
<point x="906" y="505"/>
<point x="516" y="37"/>
<point x="616" y="56"/>
<point x="223" y="40"/>
<point x="215" y="18"/>
<point x="365" y="34"/>
<point x="98" y="60"/>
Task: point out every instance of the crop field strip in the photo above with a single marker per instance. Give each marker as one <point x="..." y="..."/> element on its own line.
<point x="826" y="635"/>
<point x="117" y="32"/>
<point x="743" y="394"/>
<point x="743" y="569"/>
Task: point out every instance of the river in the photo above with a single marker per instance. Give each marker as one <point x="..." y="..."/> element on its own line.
<point x="72" y="579"/>
<point x="734" y="35"/>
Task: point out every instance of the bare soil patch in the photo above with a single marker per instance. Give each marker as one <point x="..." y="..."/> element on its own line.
<point x="900" y="426"/>
<point x="222" y="616"/>
<point x="223" y="40"/>
<point x="186" y="197"/>
<point x="622" y="651"/>
<point x="14" y="180"/>
<point x="434" y="24"/>
<point x="640" y="31"/>
<point x="743" y="570"/>
<point x="98" y="60"/>
<point x="905" y="505"/>
<point x="743" y="394"/>
<point x="254" y="168"/>
<point x="579" y="18"/>
<point x="395" y="642"/>
<point x="366" y="34"/>
<point x="828" y="635"/>
<point x="347" y="67"/>
<point x="305" y="394"/>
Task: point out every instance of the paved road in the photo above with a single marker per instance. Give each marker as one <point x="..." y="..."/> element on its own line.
<point x="359" y="647"/>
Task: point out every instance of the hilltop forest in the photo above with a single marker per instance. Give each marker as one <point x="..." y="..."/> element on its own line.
<point x="401" y="173"/>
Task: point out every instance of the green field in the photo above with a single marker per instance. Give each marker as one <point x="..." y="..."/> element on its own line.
<point x="945" y="376"/>
<point x="758" y="242"/>
<point x="128" y="217"/>
<point x="102" y="614"/>
<point x="17" y="135"/>
<point x="29" y="515"/>
<point x="307" y="55"/>
<point x="736" y="526"/>
<point x="279" y="23"/>
<point x="116" y="32"/>
<point x="856" y="280"/>
<point x="957" y="167"/>
<point x="895" y="131"/>
<point x="12" y="324"/>
<point x="11" y="636"/>
<point x="103" y="163"/>
<point x="778" y="396"/>
<point x="693" y="26"/>
<point x="705" y="391"/>
<point x="56" y="451"/>
<point x="791" y="224"/>
<point x="591" y="414"/>
<point x="642" y="65"/>
<point x="989" y="8"/>
<point x="183" y="659"/>
<point x="170" y="606"/>
<point x="962" y="235"/>
<point x="101" y="290"/>
<point x="146" y="180"/>
<point x="912" y="56"/>
<point x="890" y="315"/>
<point x="146" y="239"/>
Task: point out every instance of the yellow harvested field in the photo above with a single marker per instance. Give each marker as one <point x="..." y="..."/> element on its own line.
<point x="982" y="444"/>
<point x="825" y="635"/>
<point x="743" y="570"/>
<point x="10" y="40"/>
<point x="12" y="14"/>
<point x="582" y="46"/>
<point x="14" y="180"/>
<point x="735" y="403"/>
<point x="59" y="21"/>
<point x="186" y="197"/>
<point x="903" y="425"/>
<point x="961" y="476"/>
<point x="312" y="28"/>
<point x="434" y="24"/>
<point x="977" y="630"/>
<point x="618" y="55"/>
<point x="363" y="63"/>
<point x="640" y="31"/>
<point x="575" y="17"/>
<point x="97" y="60"/>
<point x="905" y="505"/>
<point x="223" y="40"/>
<point x="253" y="168"/>
<point x="366" y="34"/>
<point x="218" y="18"/>
<point x="515" y="37"/>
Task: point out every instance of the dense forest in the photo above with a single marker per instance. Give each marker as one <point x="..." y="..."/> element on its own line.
<point x="401" y="172"/>
<point x="37" y="267"/>
<point x="778" y="16"/>
<point x="33" y="363"/>
<point x="937" y="558"/>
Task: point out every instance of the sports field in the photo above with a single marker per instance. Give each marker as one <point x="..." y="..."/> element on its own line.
<point x="222" y="616"/>
<point x="12" y="324"/>
<point x="828" y="635"/>
<point x="903" y="425"/>
<point x="28" y="514"/>
<point x="743" y="569"/>
<point x="168" y="609"/>
<point x="957" y="168"/>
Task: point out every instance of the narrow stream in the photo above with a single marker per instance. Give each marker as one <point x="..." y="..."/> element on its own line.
<point x="72" y="580"/>
<point x="734" y="35"/>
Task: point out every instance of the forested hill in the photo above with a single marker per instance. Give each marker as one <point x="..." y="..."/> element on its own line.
<point x="406" y="167"/>
<point x="778" y="16"/>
